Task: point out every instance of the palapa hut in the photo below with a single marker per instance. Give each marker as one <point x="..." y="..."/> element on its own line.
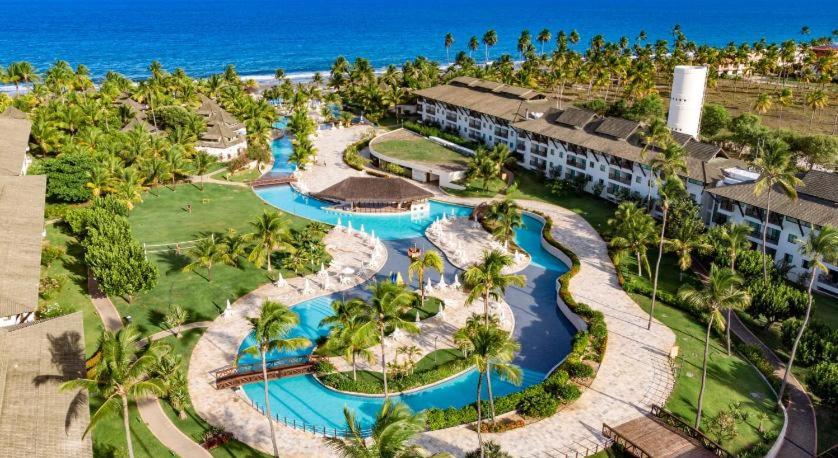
<point x="372" y="195"/>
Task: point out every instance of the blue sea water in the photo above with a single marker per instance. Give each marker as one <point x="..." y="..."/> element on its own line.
<point x="259" y="36"/>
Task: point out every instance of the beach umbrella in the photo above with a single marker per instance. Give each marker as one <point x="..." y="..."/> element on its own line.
<point x="399" y="279"/>
<point x="441" y="284"/>
<point x="349" y="226"/>
<point x="338" y="225"/>
<point x="417" y="316"/>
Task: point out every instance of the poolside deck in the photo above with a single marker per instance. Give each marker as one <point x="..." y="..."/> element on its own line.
<point x="647" y="437"/>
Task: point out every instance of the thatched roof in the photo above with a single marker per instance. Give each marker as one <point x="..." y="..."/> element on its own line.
<point x="137" y="121"/>
<point x="500" y="100"/>
<point x="36" y="418"/>
<point x="21" y="228"/>
<point x="14" y="141"/>
<point x="374" y="190"/>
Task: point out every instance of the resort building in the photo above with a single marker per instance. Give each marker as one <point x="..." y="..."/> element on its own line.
<point x="15" y="128"/>
<point x="141" y="121"/>
<point x="37" y="419"/>
<point x="789" y="221"/>
<point x="609" y="156"/>
<point x="224" y="137"/>
<point x="427" y="160"/>
<point x="21" y="235"/>
<point x="376" y="195"/>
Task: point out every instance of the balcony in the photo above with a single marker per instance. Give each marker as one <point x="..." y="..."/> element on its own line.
<point x="619" y="177"/>
<point x="539" y="165"/>
<point x="474" y="124"/>
<point x="451" y="117"/>
<point x="573" y="162"/>
<point x="502" y="133"/>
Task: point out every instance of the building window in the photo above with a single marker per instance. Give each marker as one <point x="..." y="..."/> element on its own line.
<point x="561" y="153"/>
<point x="637" y="180"/>
<point x="592" y="164"/>
<point x="602" y="168"/>
<point x="792" y="238"/>
<point x="788" y="259"/>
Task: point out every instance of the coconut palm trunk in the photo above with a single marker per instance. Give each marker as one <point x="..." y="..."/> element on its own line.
<point x="383" y="362"/>
<point x="765" y="234"/>
<point x="658" y="266"/>
<point x="704" y="371"/>
<point x="479" y="414"/>
<point x="354" y="369"/>
<point x="126" y="424"/>
<point x="730" y="309"/>
<point x="268" y="404"/>
<point x="489" y="386"/>
<point x="814" y="276"/>
<point x="486" y="305"/>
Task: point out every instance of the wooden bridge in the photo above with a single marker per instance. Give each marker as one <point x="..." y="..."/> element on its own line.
<point x="273" y="180"/>
<point x="233" y="376"/>
<point x="662" y="434"/>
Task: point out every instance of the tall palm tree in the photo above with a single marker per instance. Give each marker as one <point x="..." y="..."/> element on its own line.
<point x="634" y="231"/>
<point x="544" y="37"/>
<point x="733" y="239"/>
<point x="430" y="259"/>
<point x="820" y="247"/>
<point x="270" y="232"/>
<point x="270" y="331"/>
<point x="687" y="238"/>
<point x="449" y="41"/>
<point x="667" y="165"/>
<point x="491" y="350"/>
<point x="207" y="252"/>
<point x="507" y="217"/>
<point x="384" y="313"/>
<point x="201" y="164"/>
<point x="657" y="136"/>
<point x="816" y="100"/>
<point x="776" y="171"/>
<point x="724" y="289"/>
<point x="352" y="339"/>
<point x="21" y="72"/>
<point x="490" y="39"/>
<point x="763" y="103"/>
<point x="122" y="375"/>
<point x="395" y="425"/>
<point x="473" y="44"/>
<point x="487" y="280"/>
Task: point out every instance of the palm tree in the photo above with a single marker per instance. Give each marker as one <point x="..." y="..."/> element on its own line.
<point x="384" y="313"/>
<point x="687" y="238"/>
<point x="270" y="331"/>
<point x="487" y="279"/>
<point x="352" y="339"/>
<point x="394" y="428"/>
<point x="733" y="239"/>
<point x="506" y="215"/>
<point x="724" y="289"/>
<point x="776" y="170"/>
<point x="544" y="37"/>
<point x="490" y="39"/>
<point x="123" y="374"/>
<point x="430" y="259"/>
<point x="201" y="164"/>
<point x="491" y="350"/>
<point x="657" y="136"/>
<point x="503" y="157"/>
<point x="473" y="44"/>
<point x="482" y="166"/>
<point x="21" y="72"/>
<point x="176" y="164"/>
<point x="785" y="99"/>
<point x="763" y="103"/>
<point x="668" y="165"/>
<point x="270" y="232"/>
<point x="634" y="231"/>
<point x="449" y="41"/>
<point x="816" y="100"/>
<point x="207" y="252"/>
<point x="820" y="247"/>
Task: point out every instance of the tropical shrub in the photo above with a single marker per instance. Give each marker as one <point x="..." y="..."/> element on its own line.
<point x="67" y="176"/>
<point x="818" y="343"/>
<point x="490" y="450"/>
<point x="50" y="254"/>
<point x="538" y="404"/>
<point x="823" y="381"/>
<point x="775" y="300"/>
<point x="577" y="369"/>
<point x="54" y="309"/>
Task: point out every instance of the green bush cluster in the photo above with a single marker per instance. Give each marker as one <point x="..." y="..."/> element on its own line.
<point x="818" y="343"/>
<point x="539" y="405"/>
<point x="351" y="154"/>
<point x="343" y="381"/>
<point x="428" y="130"/>
<point x="577" y="369"/>
<point x="823" y="381"/>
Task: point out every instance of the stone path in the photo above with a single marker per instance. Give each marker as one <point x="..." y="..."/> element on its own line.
<point x="329" y="167"/>
<point x="468" y="239"/>
<point x="149" y="408"/>
<point x="219" y="346"/>
<point x="801" y="439"/>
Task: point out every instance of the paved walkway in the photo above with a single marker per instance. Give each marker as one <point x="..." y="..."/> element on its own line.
<point x="329" y="167"/>
<point x="149" y="408"/>
<point x="220" y="343"/>
<point x="801" y="439"/>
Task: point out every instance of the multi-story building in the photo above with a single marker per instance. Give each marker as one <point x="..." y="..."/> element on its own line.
<point x="610" y="155"/>
<point x="224" y="137"/>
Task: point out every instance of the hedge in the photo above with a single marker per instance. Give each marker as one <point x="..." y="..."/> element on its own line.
<point x="343" y="381"/>
<point x="433" y="131"/>
<point x="351" y="156"/>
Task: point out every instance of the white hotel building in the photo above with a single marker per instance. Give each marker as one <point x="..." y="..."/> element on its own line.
<point x="564" y="143"/>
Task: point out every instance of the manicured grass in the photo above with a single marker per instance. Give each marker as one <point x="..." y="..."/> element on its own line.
<point x="241" y="176"/>
<point x="419" y="149"/>
<point x="163" y="219"/>
<point x="109" y="436"/>
<point x="476" y="188"/>
<point x="74" y="292"/>
<point x="729" y="378"/>
<point x="194" y="426"/>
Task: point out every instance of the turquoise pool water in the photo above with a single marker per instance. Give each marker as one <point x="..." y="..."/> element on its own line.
<point x="388" y="227"/>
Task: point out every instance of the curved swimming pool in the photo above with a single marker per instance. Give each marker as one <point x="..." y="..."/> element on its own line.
<point x="541" y="329"/>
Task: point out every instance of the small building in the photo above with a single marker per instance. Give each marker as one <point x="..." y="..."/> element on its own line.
<point x="21" y="236"/>
<point x="225" y="136"/>
<point x="141" y="121"/>
<point x="37" y="419"/>
<point x="376" y="195"/>
<point x="15" y="128"/>
<point x="426" y="160"/>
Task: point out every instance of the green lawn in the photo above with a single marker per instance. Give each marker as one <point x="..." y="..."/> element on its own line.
<point x="241" y="176"/>
<point x="194" y="426"/>
<point x="419" y="149"/>
<point x="729" y="378"/>
<point x="476" y="188"/>
<point x="163" y="219"/>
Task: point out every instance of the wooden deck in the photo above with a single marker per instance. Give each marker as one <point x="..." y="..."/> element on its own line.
<point x="272" y="180"/>
<point x="647" y="437"/>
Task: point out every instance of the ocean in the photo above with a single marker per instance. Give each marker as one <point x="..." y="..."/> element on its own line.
<point x="302" y="36"/>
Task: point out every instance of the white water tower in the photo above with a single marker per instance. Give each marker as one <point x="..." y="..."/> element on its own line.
<point x="687" y="99"/>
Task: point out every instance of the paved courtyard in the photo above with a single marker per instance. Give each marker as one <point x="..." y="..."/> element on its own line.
<point x="464" y="242"/>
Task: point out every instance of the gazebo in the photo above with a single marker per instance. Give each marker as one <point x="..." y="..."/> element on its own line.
<point x="375" y="195"/>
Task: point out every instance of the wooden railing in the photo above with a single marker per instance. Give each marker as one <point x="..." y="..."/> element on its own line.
<point x="232" y="376"/>
<point x="669" y="419"/>
<point x="630" y="447"/>
<point x="271" y="180"/>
